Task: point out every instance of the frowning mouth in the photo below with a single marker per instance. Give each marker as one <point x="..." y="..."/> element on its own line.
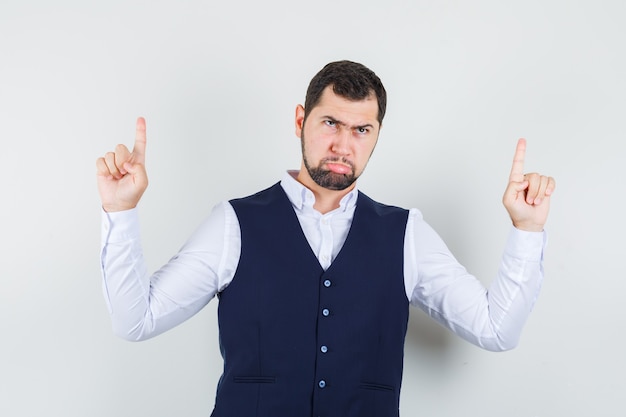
<point x="338" y="165"/>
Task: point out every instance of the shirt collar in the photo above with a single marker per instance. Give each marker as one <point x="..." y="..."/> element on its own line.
<point x="300" y="196"/>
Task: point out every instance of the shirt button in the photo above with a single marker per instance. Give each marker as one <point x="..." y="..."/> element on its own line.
<point x="325" y="312"/>
<point x="322" y="383"/>
<point x="324" y="349"/>
<point x="327" y="283"/>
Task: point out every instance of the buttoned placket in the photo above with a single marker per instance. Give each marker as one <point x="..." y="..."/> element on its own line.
<point x="324" y="348"/>
<point x="325" y="259"/>
<point x="324" y="245"/>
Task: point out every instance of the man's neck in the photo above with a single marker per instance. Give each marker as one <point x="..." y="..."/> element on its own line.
<point x="325" y="200"/>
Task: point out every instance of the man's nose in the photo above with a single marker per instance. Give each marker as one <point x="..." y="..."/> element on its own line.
<point x="342" y="142"/>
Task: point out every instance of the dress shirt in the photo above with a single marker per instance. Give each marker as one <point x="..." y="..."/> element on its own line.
<point x="142" y="305"/>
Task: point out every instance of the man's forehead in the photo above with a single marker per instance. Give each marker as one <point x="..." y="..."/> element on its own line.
<point x="332" y="104"/>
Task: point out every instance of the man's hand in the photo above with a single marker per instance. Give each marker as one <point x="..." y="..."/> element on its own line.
<point x="527" y="197"/>
<point x="122" y="177"/>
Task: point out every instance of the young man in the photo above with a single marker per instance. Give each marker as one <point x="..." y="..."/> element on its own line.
<point x="314" y="278"/>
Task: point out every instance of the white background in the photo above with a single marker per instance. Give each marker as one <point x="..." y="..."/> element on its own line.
<point x="218" y="83"/>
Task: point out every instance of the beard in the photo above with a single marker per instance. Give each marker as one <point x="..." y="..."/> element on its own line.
<point x="326" y="178"/>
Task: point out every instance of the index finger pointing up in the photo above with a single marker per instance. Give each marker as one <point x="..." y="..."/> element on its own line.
<point x="517" y="170"/>
<point x="139" y="150"/>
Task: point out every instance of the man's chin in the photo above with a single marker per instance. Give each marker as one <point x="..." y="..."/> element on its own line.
<point x="334" y="182"/>
<point x="336" y="187"/>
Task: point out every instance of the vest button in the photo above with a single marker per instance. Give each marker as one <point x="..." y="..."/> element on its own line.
<point x="322" y="383"/>
<point x="325" y="312"/>
<point x="327" y="283"/>
<point x="324" y="349"/>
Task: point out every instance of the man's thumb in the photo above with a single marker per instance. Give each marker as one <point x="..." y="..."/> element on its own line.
<point x="138" y="171"/>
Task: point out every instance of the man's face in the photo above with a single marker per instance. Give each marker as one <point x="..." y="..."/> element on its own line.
<point x="337" y="139"/>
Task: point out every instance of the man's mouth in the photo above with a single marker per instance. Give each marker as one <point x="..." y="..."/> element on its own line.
<point x="338" y="166"/>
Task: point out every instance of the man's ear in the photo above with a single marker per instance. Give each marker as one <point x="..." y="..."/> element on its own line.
<point x="299" y="120"/>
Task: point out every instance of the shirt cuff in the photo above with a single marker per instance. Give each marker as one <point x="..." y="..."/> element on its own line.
<point x="120" y="226"/>
<point x="525" y="245"/>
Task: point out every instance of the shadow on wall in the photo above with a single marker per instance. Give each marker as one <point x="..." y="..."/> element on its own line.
<point x="429" y="342"/>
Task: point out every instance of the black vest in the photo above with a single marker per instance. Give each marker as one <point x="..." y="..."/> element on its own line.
<point x="301" y="342"/>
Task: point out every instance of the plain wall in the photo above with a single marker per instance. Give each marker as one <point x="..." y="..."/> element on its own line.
<point x="218" y="83"/>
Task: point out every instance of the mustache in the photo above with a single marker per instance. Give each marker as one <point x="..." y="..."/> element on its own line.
<point x="342" y="160"/>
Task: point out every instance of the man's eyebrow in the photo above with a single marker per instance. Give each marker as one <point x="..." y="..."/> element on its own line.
<point x="332" y="119"/>
<point x="339" y="122"/>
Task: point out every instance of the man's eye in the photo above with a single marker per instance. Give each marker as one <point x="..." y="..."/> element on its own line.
<point x="362" y="130"/>
<point x="330" y="123"/>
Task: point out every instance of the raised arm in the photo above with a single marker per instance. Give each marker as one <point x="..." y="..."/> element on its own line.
<point x="143" y="305"/>
<point x="493" y="317"/>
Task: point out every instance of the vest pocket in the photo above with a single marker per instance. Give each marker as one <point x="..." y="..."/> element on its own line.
<point x="255" y="379"/>
<point x="376" y="387"/>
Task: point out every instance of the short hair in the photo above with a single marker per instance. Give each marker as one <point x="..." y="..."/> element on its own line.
<point x="349" y="80"/>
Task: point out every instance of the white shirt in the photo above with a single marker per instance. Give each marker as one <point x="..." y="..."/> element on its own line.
<point x="143" y="305"/>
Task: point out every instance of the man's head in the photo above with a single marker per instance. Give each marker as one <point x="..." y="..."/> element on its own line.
<point x="350" y="80"/>
<point x="339" y="126"/>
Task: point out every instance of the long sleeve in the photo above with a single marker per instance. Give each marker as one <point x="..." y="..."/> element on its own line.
<point x="491" y="318"/>
<point x="142" y="305"/>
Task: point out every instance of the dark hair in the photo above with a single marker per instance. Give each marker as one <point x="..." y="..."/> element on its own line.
<point x="349" y="80"/>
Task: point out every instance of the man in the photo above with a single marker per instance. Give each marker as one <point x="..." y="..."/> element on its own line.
<point x="314" y="278"/>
